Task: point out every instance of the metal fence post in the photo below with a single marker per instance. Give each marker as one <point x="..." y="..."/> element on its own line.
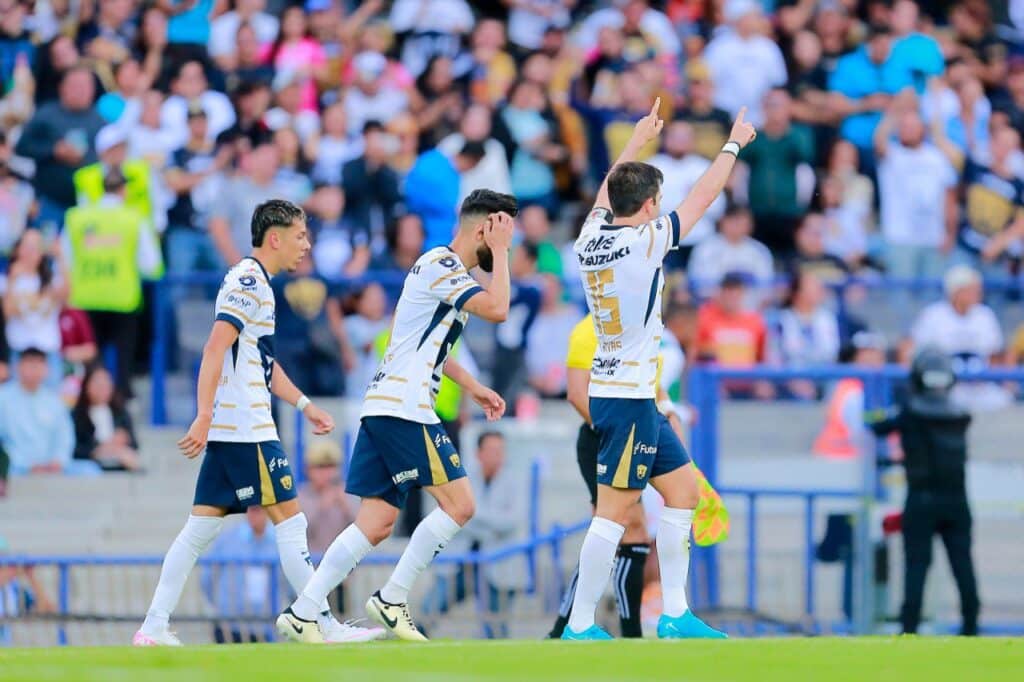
<point x="703" y="391"/>
<point x="63" y="600"/>
<point x="158" y="355"/>
<point x="863" y="549"/>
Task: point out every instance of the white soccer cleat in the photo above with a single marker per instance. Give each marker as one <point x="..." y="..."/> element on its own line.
<point x="165" y="638"/>
<point x="349" y="633"/>
<point x="395" y="618"/>
<point x="295" y="629"/>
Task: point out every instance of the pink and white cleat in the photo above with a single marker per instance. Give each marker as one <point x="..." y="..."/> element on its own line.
<point x="166" y="638"/>
<point x="350" y="633"/>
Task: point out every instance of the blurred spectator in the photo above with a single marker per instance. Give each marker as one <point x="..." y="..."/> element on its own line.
<point x="403" y="142"/>
<point x="976" y="41"/>
<point x="529" y="21"/>
<point x="494" y="69"/>
<point x="437" y="101"/>
<point x="492" y="172"/>
<point x="373" y="96"/>
<point x="808" y="86"/>
<point x="293" y="169"/>
<point x="843" y="165"/>
<point x="366" y="331"/>
<point x="111" y="247"/>
<point x="969" y="331"/>
<point x="21" y="592"/>
<point x="230" y="217"/>
<point x="681" y="166"/>
<point x="103" y="426"/>
<point x="122" y="101"/>
<point x="34" y="291"/>
<point x="333" y="148"/>
<point x="296" y="52"/>
<point x="288" y="110"/>
<point x="53" y="60"/>
<point x="193" y="175"/>
<point x="150" y="47"/>
<point x="108" y="36"/>
<point x="730" y="335"/>
<point x="16" y="200"/>
<point x="845" y="224"/>
<point x="188" y="23"/>
<point x="190" y="84"/>
<point x="60" y="139"/>
<point x="536" y="146"/>
<point x="15" y="41"/>
<point x="147" y="140"/>
<point x="807" y="333"/>
<point x="340" y="249"/>
<point x="731" y="250"/>
<point x="812" y="255"/>
<point x="775" y="158"/>
<point x="251" y="101"/>
<point x="508" y="375"/>
<point x="79" y="349"/>
<point x="432" y="189"/>
<point x="245" y="64"/>
<point x="310" y="342"/>
<point x="322" y="497"/>
<point x="915" y="51"/>
<point x="917" y="219"/>
<point x="537" y="231"/>
<point x="240" y="592"/>
<point x="225" y="31"/>
<point x="429" y="28"/>
<point x="5" y="351"/>
<point x="1010" y="104"/>
<point x="35" y="426"/>
<point x="711" y="125"/>
<point x="649" y="29"/>
<point x="405" y="244"/>
<point x="745" y="64"/>
<point x="371" y="186"/>
<point x="112" y="147"/>
<point x="548" y="338"/>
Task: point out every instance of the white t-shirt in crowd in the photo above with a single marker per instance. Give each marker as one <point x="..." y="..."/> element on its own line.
<point x="333" y="153"/>
<point x="220" y="115"/>
<point x="526" y="27"/>
<point x="656" y="25"/>
<point x="680" y="177"/>
<point x="743" y="71"/>
<point x="912" y="186"/>
<point x="845" y="233"/>
<point x="382" y="107"/>
<point x="716" y="256"/>
<point x="224" y="31"/>
<point x="804" y="342"/>
<point x="492" y="172"/>
<point x="36" y="322"/>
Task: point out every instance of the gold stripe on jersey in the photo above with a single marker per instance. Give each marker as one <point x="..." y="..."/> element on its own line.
<point x="249" y="341"/>
<point x="254" y="384"/>
<point x="444" y="323"/>
<point x="437" y="473"/>
<point x="424" y="406"/>
<point x="452" y="274"/>
<point x="256" y="362"/>
<point x="227" y="406"/>
<point x="621" y="479"/>
<point x="401" y="380"/>
<point x="630" y="363"/>
<point x="384" y="397"/>
<point x="268" y="425"/>
<point x="653" y="361"/>
<point x="256" y="406"/>
<point x="224" y="427"/>
<point x="626" y="384"/>
<point x="267" y="496"/>
<point x="245" y="318"/>
<point x="442" y="257"/>
<point x="461" y="290"/>
<point x="240" y="292"/>
<point x="650" y="247"/>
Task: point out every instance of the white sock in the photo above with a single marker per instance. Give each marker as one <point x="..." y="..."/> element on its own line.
<point x="293" y="550"/>
<point x="194" y="538"/>
<point x="430" y="537"/>
<point x="674" y="558"/>
<point x="347" y="550"/>
<point x="597" y="557"/>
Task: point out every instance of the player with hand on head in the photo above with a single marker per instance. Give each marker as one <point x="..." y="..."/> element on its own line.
<point x="620" y="252"/>
<point x="401" y="443"/>
<point x="244" y="463"/>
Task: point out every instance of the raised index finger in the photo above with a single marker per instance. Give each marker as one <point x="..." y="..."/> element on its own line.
<point x="739" y="116"/>
<point x="656" y="107"/>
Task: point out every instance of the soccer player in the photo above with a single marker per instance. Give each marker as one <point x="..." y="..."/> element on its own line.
<point x="401" y="443"/>
<point x="244" y="463"/>
<point x="620" y="251"/>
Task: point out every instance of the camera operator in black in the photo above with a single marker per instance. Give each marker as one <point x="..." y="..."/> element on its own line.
<point x="933" y="433"/>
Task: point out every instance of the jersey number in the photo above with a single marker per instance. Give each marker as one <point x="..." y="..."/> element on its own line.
<point x="606" y="308"/>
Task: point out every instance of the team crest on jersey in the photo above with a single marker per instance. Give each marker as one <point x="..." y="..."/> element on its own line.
<point x="641" y="470"/>
<point x="286" y="482"/>
<point x="454" y="459"/>
<point x="247" y="281"/>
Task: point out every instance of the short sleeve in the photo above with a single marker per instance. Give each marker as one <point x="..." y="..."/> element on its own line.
<point x="447" y="279"/>
<point x="582" y="345"/>
<point x="244" y="300"/>
<point x="595" y="219"/>
<point x="660" y="236"/>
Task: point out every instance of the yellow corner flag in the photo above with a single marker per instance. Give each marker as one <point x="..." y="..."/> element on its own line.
<point x="711" y="518"/>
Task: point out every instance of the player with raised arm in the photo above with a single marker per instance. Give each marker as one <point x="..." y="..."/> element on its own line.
<point x="620" y="252"/>
<point x="244" y="463"/>
<point x="401" y="443"/>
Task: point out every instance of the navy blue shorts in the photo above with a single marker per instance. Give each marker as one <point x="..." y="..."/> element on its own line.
<point x="392" y="455"/>
<point x="239" y="475"/>
<point x="637" y="442"/>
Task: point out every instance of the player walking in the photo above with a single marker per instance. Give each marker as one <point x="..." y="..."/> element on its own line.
<point x="244" y="463"/>
<point x="401" y="443"/>
<point x="620" y="252"/>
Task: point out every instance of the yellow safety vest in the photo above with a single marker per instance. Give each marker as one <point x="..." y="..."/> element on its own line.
<point x="104" y="258"/>
<point x="449" y="396"/>
<point x="89" y="188"/>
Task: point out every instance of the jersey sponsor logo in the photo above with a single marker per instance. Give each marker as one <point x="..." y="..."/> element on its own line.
<point x="603" y="258"/>
<point x="403" y="476"/>
<point x="277" y="463"/>
<point x="441" y="439"/>
<point x="600" y="214"/>
<point x="245" y="493"/>
<point x="611" y="347"/>
<point x="605" y="366"/>
<point x="286" y="482"/>
<point x="243" y="302"/>
<point x="598" y="243"/>
<point x="247" y="281"/>
<point x="641" y="470"/>
<point x="602" y="469"/>
<point x="415" y="270"/>
<point x="454" y="459"/>
<point x="448" y="262"/>
<point x="645" y="449"/>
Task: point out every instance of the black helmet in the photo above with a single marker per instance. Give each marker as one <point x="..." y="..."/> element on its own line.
<point x="931" y="373"/>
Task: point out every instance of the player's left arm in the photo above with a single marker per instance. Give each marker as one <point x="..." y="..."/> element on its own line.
<point x="711" y="184"/>
<point x="286" y="390"/>
<point x="223" y="335"/>
<point x="493" y="404"/>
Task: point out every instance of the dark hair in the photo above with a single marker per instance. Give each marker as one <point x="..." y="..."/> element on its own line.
<point x="481" y="202"/>
<point x="31" y="353"/>
<point x="473" y="149"/>
<point x="488" y="434"/>
<point x="279" y="43"/>
<point x="273" y="213"/>
<point x="81" y="408"/>
<point x="797" y="277"/>
<point x="423" y="80"/>
<point x="631" y="184"/>
<point x="395" y="226"/>
<point x="531" y="250"/>
<point x="373" y="125"/>
<point x="674" y="310"/>
<point x="45" y="270"/>
<point x="734" y="210"/>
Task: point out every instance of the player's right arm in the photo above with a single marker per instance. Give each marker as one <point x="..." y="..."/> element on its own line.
<point x="578" y="361"/>
<point x="222" y="337"/>
<point x="492" y="303"/>
<point x="711" y="184"/>
<point x="578" y="390"/>
<point x="647" y="128"/>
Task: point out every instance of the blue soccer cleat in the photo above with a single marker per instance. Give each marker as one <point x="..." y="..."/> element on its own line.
<point x="687" y="626"/>
<point x="593" y="632"/>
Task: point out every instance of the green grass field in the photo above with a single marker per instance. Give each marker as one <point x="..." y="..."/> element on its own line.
<point x="793" y="660"/>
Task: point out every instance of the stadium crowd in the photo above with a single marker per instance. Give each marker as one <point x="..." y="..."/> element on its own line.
<point x="889" y="144"/>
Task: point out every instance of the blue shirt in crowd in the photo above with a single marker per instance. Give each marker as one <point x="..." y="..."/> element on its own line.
<point x="857" y="77"/>
<point x="35" y="428"/>
<point x="432" y="192"/>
